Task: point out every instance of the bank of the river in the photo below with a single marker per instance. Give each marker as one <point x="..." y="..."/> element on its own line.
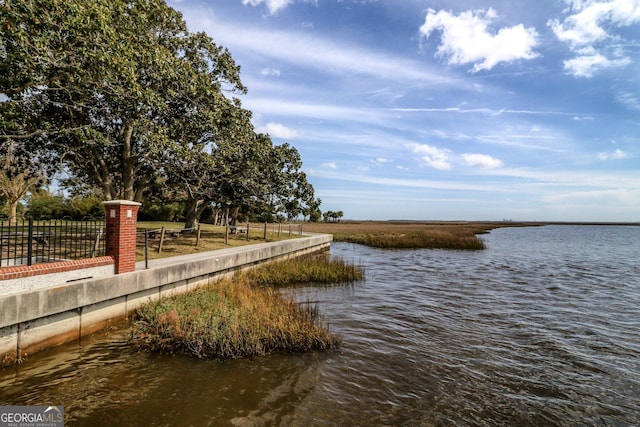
<point x="61" y="312"/>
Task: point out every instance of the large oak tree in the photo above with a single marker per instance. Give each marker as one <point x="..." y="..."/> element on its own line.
<point x="103" y="82"/>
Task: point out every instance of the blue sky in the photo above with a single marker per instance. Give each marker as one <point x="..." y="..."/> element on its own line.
<point x="446" y="110"/>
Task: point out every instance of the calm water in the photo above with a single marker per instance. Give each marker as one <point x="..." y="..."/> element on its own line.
<point x="542" y="328"/>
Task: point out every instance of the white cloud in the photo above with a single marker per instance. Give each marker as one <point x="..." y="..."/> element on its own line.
<point x="437" y="158"/>
<point x="277" y="130"/>
<point x="588" y="65"/>
<point x="592" y="23"/>
<point x="618" y="154"/>
<point x="482" y="161"/>
<point x="305" y="50"/>
<point x="330" y="165"/>
<point x="270" y="72"/>
<point x="274" y="6"/>
<point x="467" y="38"/>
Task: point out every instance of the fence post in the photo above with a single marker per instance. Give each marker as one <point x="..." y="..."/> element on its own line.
<point x="121" y="221"/>
<point x="146" y="248"/>
<point x="161" y="239"/>
<point x="30" y="242"/>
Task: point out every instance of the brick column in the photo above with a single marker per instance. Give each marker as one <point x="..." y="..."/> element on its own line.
<point x="121" y="221"/>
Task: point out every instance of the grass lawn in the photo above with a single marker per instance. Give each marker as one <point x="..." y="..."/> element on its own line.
<point x="211" y="238"/>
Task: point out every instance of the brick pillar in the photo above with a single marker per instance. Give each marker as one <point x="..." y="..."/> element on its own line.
<point x="121" y="221"/>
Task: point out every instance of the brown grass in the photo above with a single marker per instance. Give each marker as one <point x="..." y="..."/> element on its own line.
<point x="319" y="269"/>
<point x="410" y="234"/>
<point x="230" y="319"/>
<point x="211" y="238"/>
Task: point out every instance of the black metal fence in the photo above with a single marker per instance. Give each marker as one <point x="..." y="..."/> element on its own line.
<point x="29" y="241"/>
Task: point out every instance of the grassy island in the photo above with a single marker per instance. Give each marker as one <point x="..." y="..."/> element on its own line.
<point x="244" y="316"/>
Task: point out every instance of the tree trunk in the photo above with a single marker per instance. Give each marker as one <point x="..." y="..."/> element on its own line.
<point x="13" y="212"/>
<point x="194" y="209"/>
<point x="128" y="170"/>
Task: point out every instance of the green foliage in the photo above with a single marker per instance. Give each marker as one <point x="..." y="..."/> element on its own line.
<point x="160" y="211"/>
<point x="43" y="204"/>
<point x="104" y="83"/>
<point x="129" y="103"/>
<point x="331" y="216"/>
<point x="84" y="207"/>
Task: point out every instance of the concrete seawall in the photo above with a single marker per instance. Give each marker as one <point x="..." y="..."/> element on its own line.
<point x="33" y="320"/>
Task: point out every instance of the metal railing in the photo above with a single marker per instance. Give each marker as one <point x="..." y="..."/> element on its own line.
<point x="29" y="241"/>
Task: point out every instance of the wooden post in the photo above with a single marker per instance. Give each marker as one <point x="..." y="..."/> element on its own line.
<point x="146" y="248"/>
<point x="198" y="236"/>
<point x="265" y="231"/>
<point x="226" y="228"/>
<point x="247" y="231"/>
<point x="161" y="240"/>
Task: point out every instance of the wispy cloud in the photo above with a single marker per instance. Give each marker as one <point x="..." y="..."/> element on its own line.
<point x="489" y="111"/>
<point x="587" y="65"/>
<point x="304" y="50"/>
<point x="270" y="72"/>
<point x="329" y="165"/>
<point x="630" y="100"/>
<point x="617" y="154"/>
<point x="590" y="24"/>
<point x="274" y="6"/>
<point x="468" y="39"/>
<point x="482" y="161"/>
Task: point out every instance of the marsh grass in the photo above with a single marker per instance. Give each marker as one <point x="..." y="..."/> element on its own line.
<point x="311" y="269"/>
<point x="410" y="234"/>
<point x="433" y="239"/>
<point x="229" y="319"/>
<point x="243" y="316"/>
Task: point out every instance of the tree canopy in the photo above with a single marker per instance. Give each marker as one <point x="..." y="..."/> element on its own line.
<point x="123" y="99"/>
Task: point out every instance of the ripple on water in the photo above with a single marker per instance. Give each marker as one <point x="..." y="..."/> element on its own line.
<point x="540" y="329"/>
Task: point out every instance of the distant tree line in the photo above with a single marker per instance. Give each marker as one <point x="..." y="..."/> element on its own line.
<point x="117" y="100"/>
<point x="331" y="216"/>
